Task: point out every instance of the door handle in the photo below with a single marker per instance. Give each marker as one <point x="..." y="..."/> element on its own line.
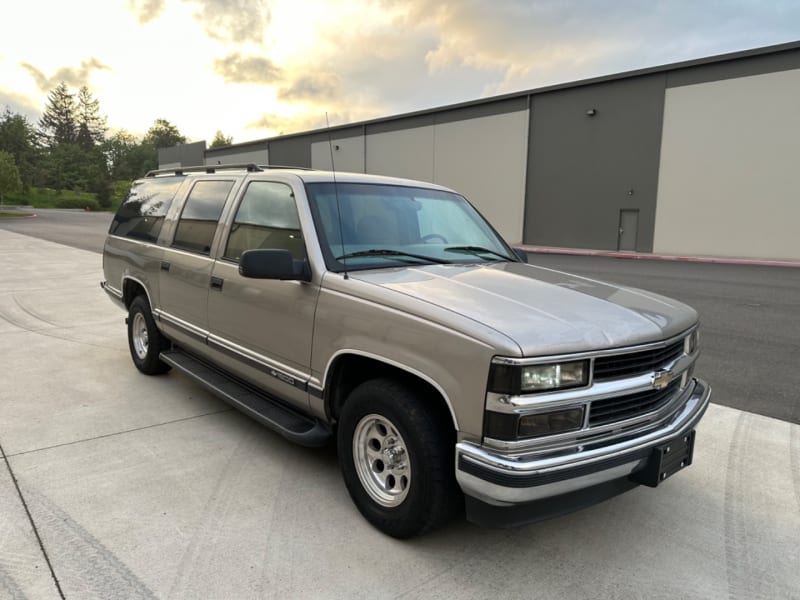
<point x="216" y="283"/>
<point x="165" y="265"/>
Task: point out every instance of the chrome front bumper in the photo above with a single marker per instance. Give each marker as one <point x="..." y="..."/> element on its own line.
<point x="504" y="480"/>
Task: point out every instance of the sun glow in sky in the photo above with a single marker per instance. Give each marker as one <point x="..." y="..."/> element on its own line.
<point x="258" y="68"/>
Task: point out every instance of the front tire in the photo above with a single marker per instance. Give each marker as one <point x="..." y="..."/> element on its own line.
<point x="144" y="339"/>
<point x="396" y="456"/>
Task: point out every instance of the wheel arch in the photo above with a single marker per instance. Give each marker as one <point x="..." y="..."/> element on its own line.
<point x="349" y="368"/>
<point x="132" y="287"/>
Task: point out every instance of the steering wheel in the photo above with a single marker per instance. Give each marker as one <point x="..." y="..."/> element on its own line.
<point x="433" y="236"/>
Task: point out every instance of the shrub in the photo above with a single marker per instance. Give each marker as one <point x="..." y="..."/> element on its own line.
<point x="76" y="202"/>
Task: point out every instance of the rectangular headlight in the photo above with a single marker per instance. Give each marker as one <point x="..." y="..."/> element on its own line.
<point x="538" y="378"/>
<point x="522" y="379"/>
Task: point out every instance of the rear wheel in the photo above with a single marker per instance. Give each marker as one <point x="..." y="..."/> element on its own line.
<point x="144" y="339"/>
<point x="396" y="459"/>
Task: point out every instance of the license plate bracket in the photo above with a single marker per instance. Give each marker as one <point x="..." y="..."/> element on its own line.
<point x="666" y="460"/>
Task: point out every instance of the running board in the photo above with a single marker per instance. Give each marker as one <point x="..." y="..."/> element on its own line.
<point x="289" y="423"/>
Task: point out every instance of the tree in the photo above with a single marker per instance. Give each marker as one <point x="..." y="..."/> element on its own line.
<point x="18" y="137"/>
<point x="91" y="126"/>
<point x="221" y="140"/>
<point x="119" y="149"/>
<point x="58" y="123"/>
<point x="163" y="134"/>
<point x="9" y="175"/>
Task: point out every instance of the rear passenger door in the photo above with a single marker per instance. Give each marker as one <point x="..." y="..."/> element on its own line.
<point x="262" y="328"/>
<point x="185" y="269"/>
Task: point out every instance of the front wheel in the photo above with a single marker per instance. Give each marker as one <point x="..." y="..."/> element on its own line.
<point x="396" y="459"/>
<point x="144" y="339"/>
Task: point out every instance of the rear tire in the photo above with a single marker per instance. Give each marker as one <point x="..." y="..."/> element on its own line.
<point x="396" y="457"/>
<point x="144" y="339"/>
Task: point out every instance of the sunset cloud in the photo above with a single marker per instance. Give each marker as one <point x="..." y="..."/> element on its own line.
<point x="238" y="68"/>
<point x="254" y="68"/>
<point x="227" y="20"/>
<point x="73" y="76"/>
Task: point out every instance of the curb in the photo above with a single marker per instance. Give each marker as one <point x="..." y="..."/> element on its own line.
<point x="24" y="216"/>
<point x="665" y="257"/>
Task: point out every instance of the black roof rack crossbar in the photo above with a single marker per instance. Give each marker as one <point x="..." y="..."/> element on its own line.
<point x="250" y="167"/>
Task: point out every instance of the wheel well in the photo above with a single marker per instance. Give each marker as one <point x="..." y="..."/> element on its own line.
<point x="351" y="370"/>
<point x="131" y="289"/>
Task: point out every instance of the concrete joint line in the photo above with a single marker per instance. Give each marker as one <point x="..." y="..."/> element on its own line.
<point x="32" y="522"/>
<point x="108" y="435"/>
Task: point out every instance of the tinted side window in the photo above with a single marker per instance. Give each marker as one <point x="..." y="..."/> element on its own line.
<point x="200" y="215"/>
<point x="266" y="218"/>
<point x="142" y="212"/>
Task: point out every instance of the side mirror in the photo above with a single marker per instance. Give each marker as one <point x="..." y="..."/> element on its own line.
<point x="273" y="264"/>
<point x="522" y="254"/>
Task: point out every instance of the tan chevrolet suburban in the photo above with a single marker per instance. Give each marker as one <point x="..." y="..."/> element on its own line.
<point x="387" y="314"/>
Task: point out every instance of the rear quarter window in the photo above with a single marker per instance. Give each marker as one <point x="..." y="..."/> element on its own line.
<point x="141" y="214"/>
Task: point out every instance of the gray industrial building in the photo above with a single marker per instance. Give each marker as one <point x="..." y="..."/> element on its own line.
<point x="699" y="157"/>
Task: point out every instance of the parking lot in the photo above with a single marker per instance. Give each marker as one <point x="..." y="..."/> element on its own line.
<point x="118" y="485"/>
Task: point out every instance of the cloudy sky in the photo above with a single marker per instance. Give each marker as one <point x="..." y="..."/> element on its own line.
<point x="258" y="68"/>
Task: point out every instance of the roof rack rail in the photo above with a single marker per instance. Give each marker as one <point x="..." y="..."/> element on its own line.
<point x="285" y="167"/>
<point x="250" y="167"/>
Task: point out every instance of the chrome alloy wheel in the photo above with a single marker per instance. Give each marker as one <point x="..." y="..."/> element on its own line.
<point x="381" y="460"/>
<point x="141" y="340"/>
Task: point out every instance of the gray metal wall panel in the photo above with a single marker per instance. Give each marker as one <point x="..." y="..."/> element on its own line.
<point x="741" y="67"/>
<point x="185" y="155"/>
<point x="400" y="124"/>
<point x="582" y="170"/>
<point x="236" y="155"/>
<point x="291" y="152"/>
<point x="348" y="153"/>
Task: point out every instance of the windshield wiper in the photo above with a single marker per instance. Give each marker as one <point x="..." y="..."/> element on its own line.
<point x="396" y="254"/>
<point x="476" y="250"/>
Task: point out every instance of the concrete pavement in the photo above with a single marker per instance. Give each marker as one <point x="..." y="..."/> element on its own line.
<point x="144" y="487"/>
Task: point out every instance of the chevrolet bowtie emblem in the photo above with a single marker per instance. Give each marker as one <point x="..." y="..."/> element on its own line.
<point x="662" y="378"/>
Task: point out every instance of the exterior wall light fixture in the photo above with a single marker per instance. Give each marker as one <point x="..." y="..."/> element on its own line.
<point x="591" y="112"/>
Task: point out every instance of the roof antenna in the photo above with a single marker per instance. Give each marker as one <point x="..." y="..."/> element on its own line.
<point x="336" y="193"/>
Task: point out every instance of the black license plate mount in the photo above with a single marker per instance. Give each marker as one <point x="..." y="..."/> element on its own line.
<point x="666" y="459"/>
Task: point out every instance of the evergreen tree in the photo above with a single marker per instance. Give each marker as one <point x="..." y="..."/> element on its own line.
<point x="91" y="126"/>
<point x="58" y="123"/>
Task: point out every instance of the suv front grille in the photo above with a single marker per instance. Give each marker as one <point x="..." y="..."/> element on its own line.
<point x="632" y="405"/>
<point x="635" y="363"/>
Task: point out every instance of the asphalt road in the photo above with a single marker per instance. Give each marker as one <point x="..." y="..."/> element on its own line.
<point x="750" y="314"/>
<point x="76" y="228"/>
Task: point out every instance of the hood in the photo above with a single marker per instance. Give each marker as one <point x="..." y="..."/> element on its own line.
<point x="544" y="311"/>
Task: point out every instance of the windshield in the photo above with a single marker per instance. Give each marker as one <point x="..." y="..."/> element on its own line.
<point x="368" y="226"/>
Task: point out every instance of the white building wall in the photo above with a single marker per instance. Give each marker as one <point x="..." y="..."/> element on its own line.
<point x="348" y="154"/>
<point x="485" y="159"/>
<point x="403" y="153"/>
<point x="730" y="168"/>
